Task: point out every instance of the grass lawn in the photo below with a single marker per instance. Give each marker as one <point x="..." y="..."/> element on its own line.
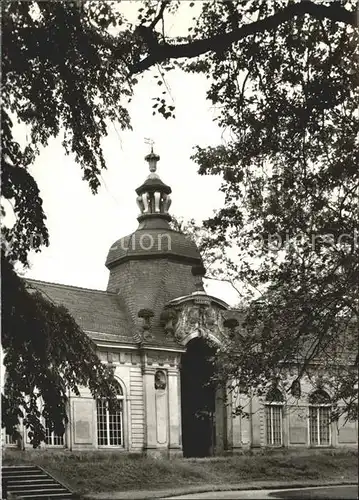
<point x="87" y="472"/>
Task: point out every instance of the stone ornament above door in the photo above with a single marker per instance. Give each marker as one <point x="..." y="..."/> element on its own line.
<point x="196" y="315"/>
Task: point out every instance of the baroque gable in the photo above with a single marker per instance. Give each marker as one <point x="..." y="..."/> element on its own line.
<point x="196" y="315"/>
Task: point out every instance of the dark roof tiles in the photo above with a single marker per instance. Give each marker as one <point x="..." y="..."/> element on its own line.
<point x="93" y="310"/>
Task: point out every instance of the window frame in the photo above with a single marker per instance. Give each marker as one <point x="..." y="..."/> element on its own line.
<point x="121" y="398"/>
<point x="43" y="444"/>
<point x="270" y="405"/>
<point x="8" y="441"/>
<point x="269" y="408"/>
<point x="53" y="437"/>
<point x="317" y="409"/>
<point x="317" y="406"/>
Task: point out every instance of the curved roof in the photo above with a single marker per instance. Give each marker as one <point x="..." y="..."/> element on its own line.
<point x="198" y="295"/>
<point x="151" y="242"/>
<point x="152" y="183"/>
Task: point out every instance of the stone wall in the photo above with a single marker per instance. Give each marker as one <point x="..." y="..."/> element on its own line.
<point x="251" y="432"/>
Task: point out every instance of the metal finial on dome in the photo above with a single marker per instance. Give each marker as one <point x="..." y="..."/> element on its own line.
<point x="152" y="158"/>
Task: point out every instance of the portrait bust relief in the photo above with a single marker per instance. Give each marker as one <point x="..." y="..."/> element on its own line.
<point x="160" y="380"/>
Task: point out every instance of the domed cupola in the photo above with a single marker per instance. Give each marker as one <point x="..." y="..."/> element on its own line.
<point x="154" y="235"/>
<point x="153" y="195"/>
<point x="153" y="264"/>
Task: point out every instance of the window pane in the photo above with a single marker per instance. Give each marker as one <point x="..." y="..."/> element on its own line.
<point x="115" y="429"/>
<point x="109" y="425"/>
<point x="47" y="434"/>
<point x="319" y="397"/>
<point x="268" y="425"/>
<point x="277" y="427"/>
<point x="324" y="417"/>
<point x="319" y="421"/>
<point x="51" y="438"/>
<point x="313" y="425"/>
<point x="10" y="439"/>
<point x="101" y="422"/>
<point x="274" y="424"/>
<point x="274" y="395"/>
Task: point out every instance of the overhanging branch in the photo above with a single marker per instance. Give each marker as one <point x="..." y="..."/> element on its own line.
<point x="162" y="52"/>
<point x="160" y="13"/>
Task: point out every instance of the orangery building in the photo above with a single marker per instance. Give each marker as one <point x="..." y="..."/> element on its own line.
<point x="153" y="323"/>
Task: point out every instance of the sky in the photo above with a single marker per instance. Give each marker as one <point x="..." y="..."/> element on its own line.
<point x="83" y="226"/>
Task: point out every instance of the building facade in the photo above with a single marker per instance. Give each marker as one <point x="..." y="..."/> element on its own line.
<point x="152" y="324"/>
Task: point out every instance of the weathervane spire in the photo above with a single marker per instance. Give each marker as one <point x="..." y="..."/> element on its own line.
<point x="151" y="158"/>
<point x="154" y="195"/>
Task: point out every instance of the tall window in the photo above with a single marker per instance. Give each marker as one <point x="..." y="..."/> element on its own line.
<point x="274" y="417"/>
<point x="7" y="439"/>
<point x="10" y="440"/>
<point x="51" y="438"/>
<point x="109" y="423"/>
<point x="319" y="418"/>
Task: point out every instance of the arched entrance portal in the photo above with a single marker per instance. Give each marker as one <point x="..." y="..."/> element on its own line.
<point x="198" y="399"/>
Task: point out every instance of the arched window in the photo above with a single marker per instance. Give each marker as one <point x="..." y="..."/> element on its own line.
<point x="51" y="438"/>
<point x="319" y="418"/>
<point x="110" y="423"/>
<point x="274" y="417"/>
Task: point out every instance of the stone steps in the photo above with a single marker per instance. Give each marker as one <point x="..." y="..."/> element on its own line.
<point x="31" y="482"/>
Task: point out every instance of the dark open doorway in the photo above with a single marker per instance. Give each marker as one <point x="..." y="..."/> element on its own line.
<point x="197" y="399"/>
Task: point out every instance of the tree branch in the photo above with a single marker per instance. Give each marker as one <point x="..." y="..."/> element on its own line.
<point x="162" y="52"/>
<point x="160" y="14"/>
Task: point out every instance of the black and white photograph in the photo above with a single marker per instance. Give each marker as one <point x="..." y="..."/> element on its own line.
<point x="179" y="249"/>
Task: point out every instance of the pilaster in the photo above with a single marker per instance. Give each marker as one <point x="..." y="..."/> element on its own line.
<point x="221" y="431"/>
<point x="246" y="422"/>
<point x="174" y="412"/>
<point x="150" y="408"/>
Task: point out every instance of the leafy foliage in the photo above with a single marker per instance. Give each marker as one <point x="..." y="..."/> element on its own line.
<point x="218" y="253"/>
<point x="284" y="78"/>
<point x="288" y="100"/>
<point x="59" y="78"/>
<point x="46" y="354"/>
